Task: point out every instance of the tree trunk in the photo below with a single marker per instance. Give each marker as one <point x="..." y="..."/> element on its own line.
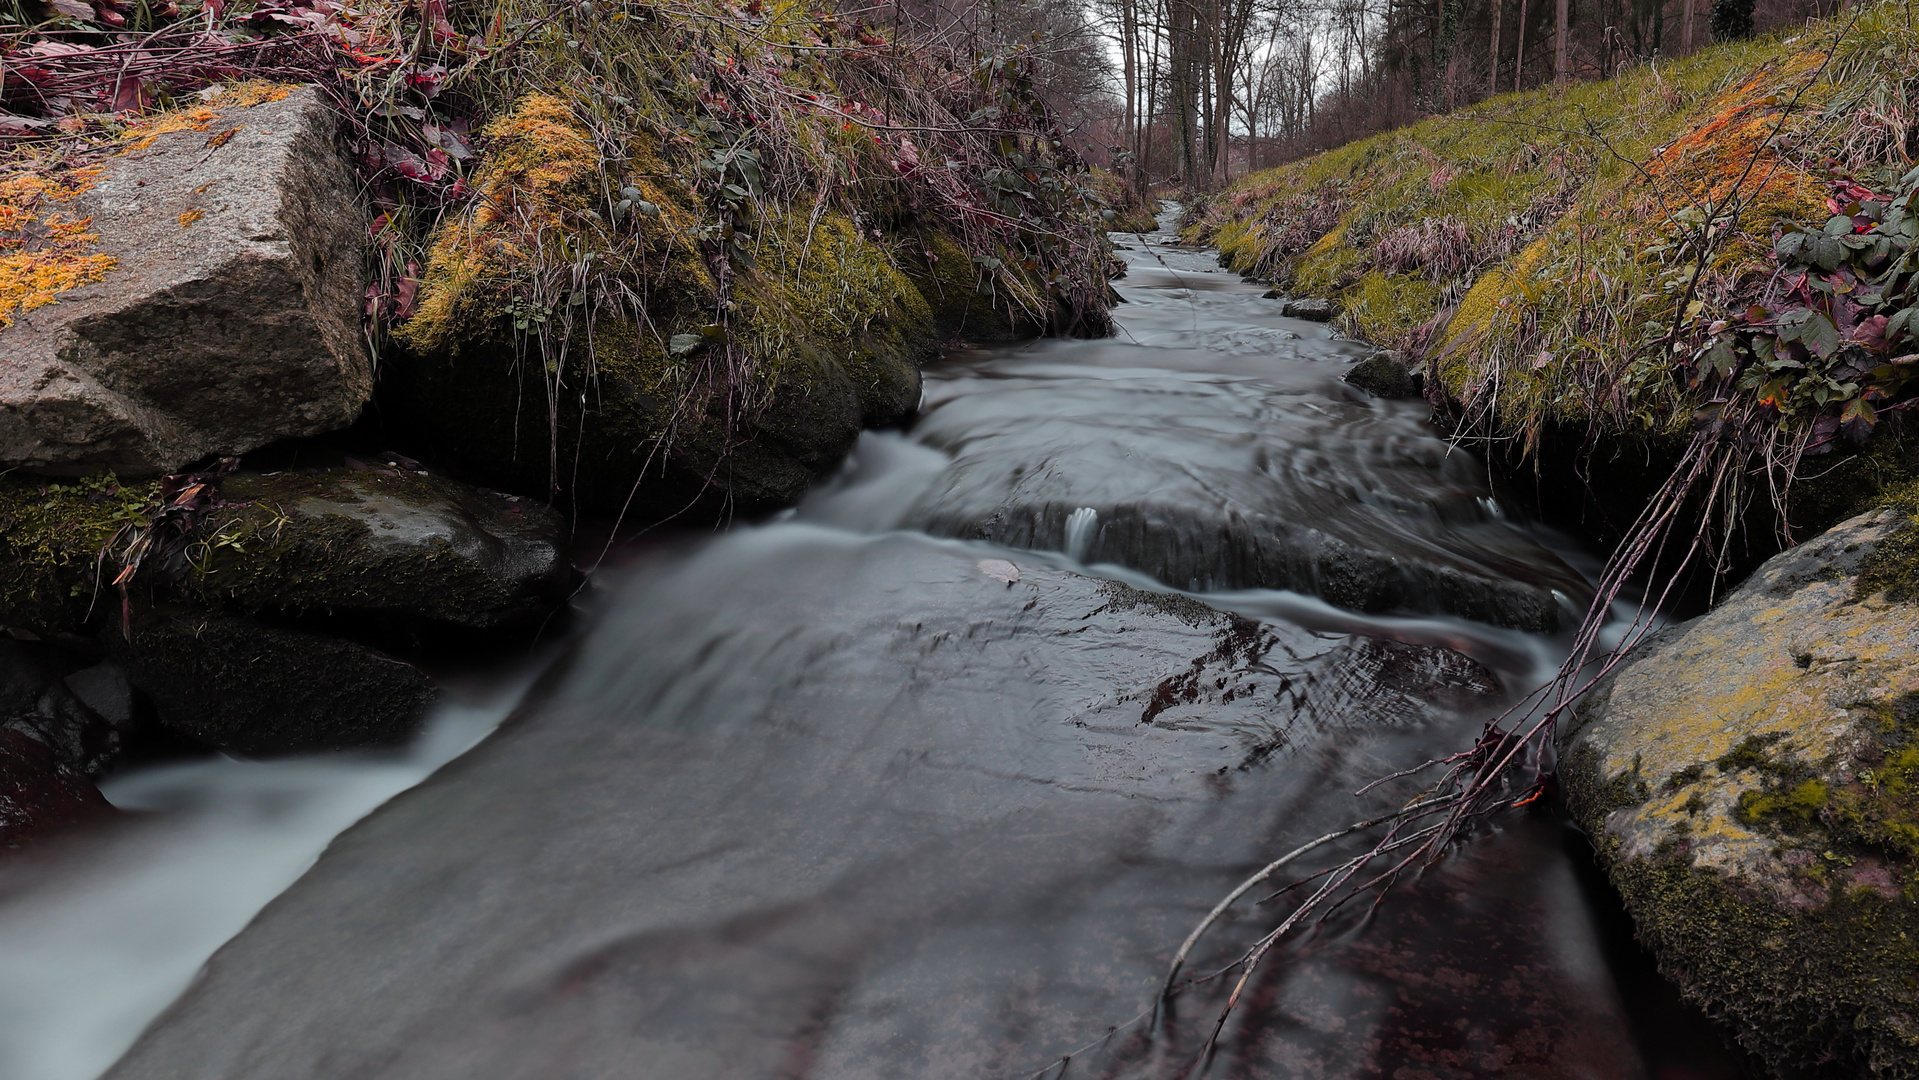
<point x="1519" y="51"/>
<point x="1685" y="27"/>
<point x="1561" y="69"/>
<point x="1492" y="51"/>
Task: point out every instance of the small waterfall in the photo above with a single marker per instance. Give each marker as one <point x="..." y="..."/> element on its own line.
<point x="1082" y="525"/>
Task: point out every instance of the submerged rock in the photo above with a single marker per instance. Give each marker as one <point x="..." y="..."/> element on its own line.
<point x="1188" y="476"/>
<point x="820" y="806"/>
<point x="230" y="316"/>
<point x="1385" y="374"/>
<point x="1751" y="779"/>
<point x="256" y="690"/>
<point x="82" y="713"/>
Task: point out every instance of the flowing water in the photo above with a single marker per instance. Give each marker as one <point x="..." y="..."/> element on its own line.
<point x="926" y="779"/>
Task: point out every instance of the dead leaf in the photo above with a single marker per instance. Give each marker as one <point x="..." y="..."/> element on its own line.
<point x="214" y="142"/>
<point x="999" y="570"/>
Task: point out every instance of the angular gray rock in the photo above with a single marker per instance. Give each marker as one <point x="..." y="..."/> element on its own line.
<point x="231" y="318"/>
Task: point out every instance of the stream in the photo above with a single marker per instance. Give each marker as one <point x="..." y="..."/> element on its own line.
<point x="927" y="777"/>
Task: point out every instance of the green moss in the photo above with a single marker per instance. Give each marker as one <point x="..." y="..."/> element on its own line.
<point x="1391" y="309"/>
<point x="1789" y="808"/>
<point x="1829" y="989"/>
<point x="962" y="293"/>
<point x="1122" y="210"/>
<point x="826" y="335"/>
<point x="1892" y="567"/>
<point x="1753" y="752"/>
<point x="52" y="536"/>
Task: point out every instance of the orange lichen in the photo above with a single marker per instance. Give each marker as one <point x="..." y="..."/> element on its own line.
<point x="44" y="250"/>
<point x="191" y="216"/>
<point x="200" y="117"/>
<point x="1732" y="153"/>
<point x="539" y="187"/>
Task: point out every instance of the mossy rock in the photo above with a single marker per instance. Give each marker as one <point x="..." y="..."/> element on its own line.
<point x="52" y="534"/>
<point x="1751" y="779"/>
<point x="384" y="542"/>
<point x="961" y="296"/>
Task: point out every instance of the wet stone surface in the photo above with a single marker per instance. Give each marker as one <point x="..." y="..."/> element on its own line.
<point x="1213" y="446"/>
<point x="862" y="809"/>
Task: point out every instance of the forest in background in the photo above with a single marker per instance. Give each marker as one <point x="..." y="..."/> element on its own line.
<point x="1188" y="95"/>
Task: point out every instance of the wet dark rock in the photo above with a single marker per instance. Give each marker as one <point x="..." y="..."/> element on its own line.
<point x="1386" y="374"/>
<point x="1748" y="778"/>
<point x="1188" y="478"/>
<point x="383" y="542"/>
<point x="253" y="689"/>
<point x="951" y="827"/>
<point x="1314" y="309"/>
<point x="82" y="714"/>
<point x="38" y="794"/>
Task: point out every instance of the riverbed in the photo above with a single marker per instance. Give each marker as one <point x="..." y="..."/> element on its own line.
<point x="926" y="777"/>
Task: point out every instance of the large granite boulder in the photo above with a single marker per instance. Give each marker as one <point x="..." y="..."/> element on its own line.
<point x="1751" y="779"/>
<point x="230" y="316"/>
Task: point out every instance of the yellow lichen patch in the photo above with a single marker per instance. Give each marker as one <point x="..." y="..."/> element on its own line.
<point x="142" y="132"/>
<point x="538" y="192"/>
<point x="44" y="250"/>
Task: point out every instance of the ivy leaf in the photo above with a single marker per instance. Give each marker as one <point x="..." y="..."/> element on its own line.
<point x="1900" y="323"/>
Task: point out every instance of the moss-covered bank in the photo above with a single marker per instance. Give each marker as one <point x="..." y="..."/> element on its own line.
<point x="704" y="246"/>
<point x="1535" y="249"/>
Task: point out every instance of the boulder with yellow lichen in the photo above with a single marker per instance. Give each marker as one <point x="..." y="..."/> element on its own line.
<point x="1751" y="781"/>
<point x="196" y="290"/>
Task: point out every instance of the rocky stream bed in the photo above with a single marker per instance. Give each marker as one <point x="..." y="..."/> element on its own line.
<point x="925" y="777"/>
